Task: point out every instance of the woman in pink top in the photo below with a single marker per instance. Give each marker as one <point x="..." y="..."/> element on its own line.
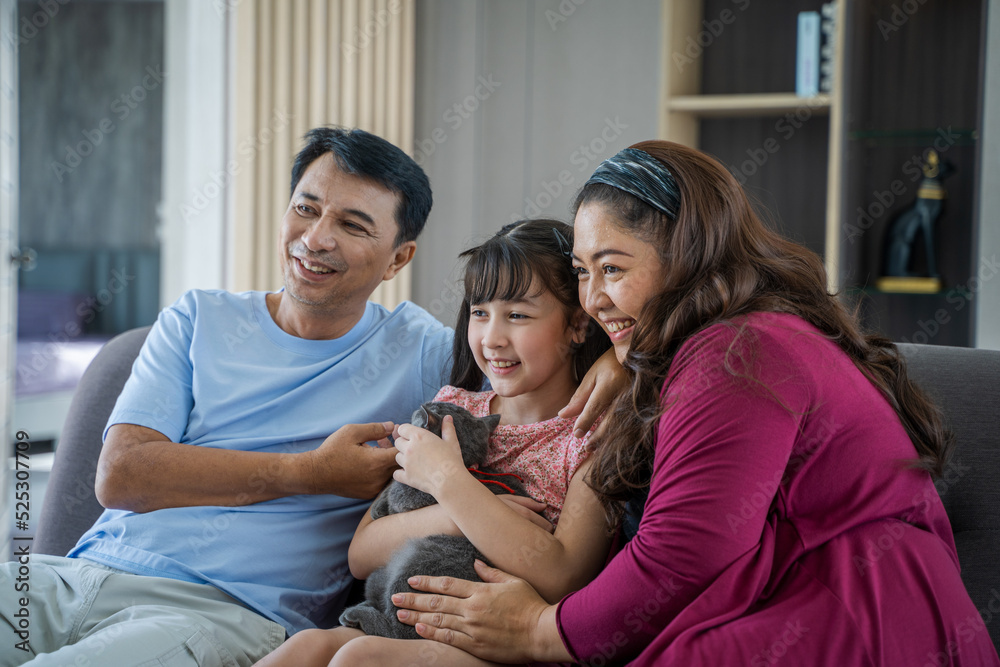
<point x="771" y="464"/>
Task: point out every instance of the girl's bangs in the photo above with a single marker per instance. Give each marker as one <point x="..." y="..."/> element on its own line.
<point x="498" y="271"/>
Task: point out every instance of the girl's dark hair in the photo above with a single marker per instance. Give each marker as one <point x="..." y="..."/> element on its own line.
<point x="720" y="261"/>
<point x="504" y="268"/>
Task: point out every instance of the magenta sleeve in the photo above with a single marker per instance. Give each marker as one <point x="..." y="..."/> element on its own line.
<point x="733" y="411"/>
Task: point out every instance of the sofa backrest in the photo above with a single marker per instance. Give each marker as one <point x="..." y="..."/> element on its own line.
<point x="70" y="507"/>
<point x="965" y="382"/>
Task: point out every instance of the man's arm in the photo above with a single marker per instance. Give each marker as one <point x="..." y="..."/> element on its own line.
<point x="141" y="470"/>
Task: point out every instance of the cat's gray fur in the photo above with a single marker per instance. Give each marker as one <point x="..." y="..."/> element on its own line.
<point x="434" y="555"/>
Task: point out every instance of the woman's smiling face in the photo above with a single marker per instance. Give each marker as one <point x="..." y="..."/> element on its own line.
<point x="618" y="271"/>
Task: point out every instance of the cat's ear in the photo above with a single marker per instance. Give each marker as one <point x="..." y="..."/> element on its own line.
<point x="492" y="421"/>
<point x="419" y="416"/>
<point x="433" y="422"/>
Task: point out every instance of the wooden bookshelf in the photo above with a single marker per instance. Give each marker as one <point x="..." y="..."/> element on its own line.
<point x="732" y="106"/>
<point x="727" y="75"/>
<point x="690" y="96"/>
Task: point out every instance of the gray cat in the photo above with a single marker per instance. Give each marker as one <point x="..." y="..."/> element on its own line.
<point x="434" y="555"/>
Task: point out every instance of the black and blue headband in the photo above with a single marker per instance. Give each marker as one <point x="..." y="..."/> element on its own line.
<point x="643" y="176"/>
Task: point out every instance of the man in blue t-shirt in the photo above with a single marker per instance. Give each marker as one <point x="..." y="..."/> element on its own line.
<point x="230" y="504"/>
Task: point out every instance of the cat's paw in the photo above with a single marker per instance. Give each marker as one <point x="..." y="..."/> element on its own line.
<point x="351" y="617"/>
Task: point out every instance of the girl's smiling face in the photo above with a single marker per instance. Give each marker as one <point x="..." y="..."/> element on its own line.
<point x="619" y="272"/>
<point x="524" y="346"/>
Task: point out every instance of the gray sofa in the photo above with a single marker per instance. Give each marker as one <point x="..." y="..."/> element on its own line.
<point x="964" y="382"/>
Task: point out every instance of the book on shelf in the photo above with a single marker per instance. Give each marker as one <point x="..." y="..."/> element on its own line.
<point x="807" y="55"/>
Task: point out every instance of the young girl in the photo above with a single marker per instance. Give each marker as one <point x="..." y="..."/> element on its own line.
<point x="521" y="327"/>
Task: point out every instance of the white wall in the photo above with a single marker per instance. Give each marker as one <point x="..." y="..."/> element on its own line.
<point x="988" y="301"/>
<point x="193" y="212"/>
<point x="557" y="73"/>
<point x="561" y="85"/>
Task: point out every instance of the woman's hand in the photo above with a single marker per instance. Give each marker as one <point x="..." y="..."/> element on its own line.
<point x="427" y="461"/>
<point x="503" y="620"/>
<point x="605" y="380"/>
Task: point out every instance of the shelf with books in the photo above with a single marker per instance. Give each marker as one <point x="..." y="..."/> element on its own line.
<point x="724" y="93"/>
<point x="834" y="170"/>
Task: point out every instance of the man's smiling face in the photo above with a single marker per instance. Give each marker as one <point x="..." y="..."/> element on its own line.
<point x="338" y="238"/>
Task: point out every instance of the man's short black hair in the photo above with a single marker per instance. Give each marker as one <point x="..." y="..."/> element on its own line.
<point x="365" y="155"/>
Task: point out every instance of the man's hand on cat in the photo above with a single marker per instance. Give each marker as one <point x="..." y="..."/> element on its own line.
<point x="346" y="466"/>
<point x="426" y="461"/>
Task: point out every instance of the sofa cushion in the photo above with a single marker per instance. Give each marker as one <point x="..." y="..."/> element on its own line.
<point x="965" y="383"/>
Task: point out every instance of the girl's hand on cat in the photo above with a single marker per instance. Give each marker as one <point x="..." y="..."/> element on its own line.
<point x="426" y="461"/>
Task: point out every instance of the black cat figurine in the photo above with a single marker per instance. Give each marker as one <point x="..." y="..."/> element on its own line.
<point x="434" y="555"/>
<point x="919" y="217"/>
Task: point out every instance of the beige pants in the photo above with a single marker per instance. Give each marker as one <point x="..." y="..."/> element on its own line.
<point x="81" y="614"/>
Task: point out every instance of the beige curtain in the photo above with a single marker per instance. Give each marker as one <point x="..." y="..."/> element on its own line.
<point x="299" y="64"/>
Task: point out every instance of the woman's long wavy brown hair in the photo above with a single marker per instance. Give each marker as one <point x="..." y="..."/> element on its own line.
<point x="721" y="261"/>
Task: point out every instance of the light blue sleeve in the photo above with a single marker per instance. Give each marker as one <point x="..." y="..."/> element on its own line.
<point x="437" y="359"/>
<point x="158" y="393"/>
